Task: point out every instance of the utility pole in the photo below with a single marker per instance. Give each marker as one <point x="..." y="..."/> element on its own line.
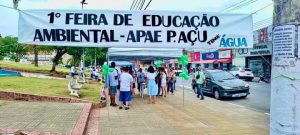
<point x="285" y="85"/>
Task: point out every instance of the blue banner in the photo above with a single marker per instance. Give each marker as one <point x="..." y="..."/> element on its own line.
<point x="210" y="56"/>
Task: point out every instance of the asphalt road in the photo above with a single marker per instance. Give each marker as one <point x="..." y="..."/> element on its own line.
<point x="259" y="98"/>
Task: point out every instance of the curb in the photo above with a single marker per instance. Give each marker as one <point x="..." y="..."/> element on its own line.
<point x="10" y="95"/>
<point x="82" y="122"/>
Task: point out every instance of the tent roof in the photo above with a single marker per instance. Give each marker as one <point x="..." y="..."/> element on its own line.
<point x="129" y="54"/>
<point x="121" y="63"/>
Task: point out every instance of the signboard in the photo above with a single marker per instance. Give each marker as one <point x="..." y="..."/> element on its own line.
<point x="283" y="41"/>
<point x="195" y="56"/>
<point x="257" y="50"/>
<point x="262" y="44"/>
<point x="138" y="29"/>
<point x="210" y="56"/>
<point x="190" y="56"/>
<point x="225" y="54"/>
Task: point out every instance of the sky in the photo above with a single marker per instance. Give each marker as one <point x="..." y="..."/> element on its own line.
<point x="9" y="17"/>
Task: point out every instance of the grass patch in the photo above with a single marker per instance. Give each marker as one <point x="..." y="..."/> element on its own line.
<point x="31" y="68"/>
<point x="47" y="87"/>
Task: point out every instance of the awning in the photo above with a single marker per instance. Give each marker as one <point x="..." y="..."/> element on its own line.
<point x="212" y="61"/>
<point x="223" y="60"/>
<point x="131" y="54"/>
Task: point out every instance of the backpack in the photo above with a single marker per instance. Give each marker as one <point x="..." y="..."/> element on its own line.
<point x="141" y="77"/>
<point x="198" y="76"/>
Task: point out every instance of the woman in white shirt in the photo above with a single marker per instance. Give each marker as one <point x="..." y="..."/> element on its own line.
<point x="152" y="89"/>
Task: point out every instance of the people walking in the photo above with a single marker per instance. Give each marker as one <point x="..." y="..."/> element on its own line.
<point x="152" y="89"/>
<point x="126" y="90"/>
<point x="171" y="80"/>
<point x="200" y="82"/>
<point x="113" y="83"/>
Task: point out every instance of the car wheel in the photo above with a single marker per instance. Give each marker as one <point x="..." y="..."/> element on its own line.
<point x="250" y="80"/>
<point x="217" y="94"/>
<point x="237" y="76"/>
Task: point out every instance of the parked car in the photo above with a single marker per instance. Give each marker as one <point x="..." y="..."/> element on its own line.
<point x="242" y="73"/>
<point x="177" y="71"/>
<point x="223" y="84"/>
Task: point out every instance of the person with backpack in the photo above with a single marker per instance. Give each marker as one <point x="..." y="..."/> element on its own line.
<point x="200" y="82"/>
<point x="140" y="80"/>
<point x="113" y="78"/>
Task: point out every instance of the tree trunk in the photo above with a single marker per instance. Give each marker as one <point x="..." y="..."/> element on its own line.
<point x="36" y="56"/>
<point x="59" y="53"/>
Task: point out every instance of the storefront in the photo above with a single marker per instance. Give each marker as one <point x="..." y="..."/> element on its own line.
<point x="259" y="58"/>
<point x="221" y="59"/>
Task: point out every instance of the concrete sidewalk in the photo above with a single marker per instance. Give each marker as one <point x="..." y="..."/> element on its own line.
<point x="39" y="116"/>
<point x="169" y="117"/>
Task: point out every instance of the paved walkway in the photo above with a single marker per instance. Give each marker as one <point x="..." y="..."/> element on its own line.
<point x="169" y="117"/>
<point x="39" y="116"/>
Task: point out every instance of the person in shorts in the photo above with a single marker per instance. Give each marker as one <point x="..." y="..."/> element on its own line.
<point x="126" y="81"/>
<point x="113" y="84"/>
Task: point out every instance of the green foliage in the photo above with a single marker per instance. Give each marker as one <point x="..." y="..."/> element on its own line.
<point x="92" y="53"/>
<point x="10" y="47"/>
<point x="76" y="53"/>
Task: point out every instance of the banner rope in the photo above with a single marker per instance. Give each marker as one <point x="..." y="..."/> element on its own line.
<point x="10" y="7"/>
<point x="287" y="77"/>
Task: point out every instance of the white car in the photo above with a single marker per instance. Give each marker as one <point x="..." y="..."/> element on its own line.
<point x="242" y="73"/>
<point x="177" y="71"/>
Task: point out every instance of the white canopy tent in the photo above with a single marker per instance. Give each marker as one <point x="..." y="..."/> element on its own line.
<point x="131" y="54"/>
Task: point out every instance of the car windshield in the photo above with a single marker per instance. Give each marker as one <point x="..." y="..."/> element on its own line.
<point x="222" y="75"/>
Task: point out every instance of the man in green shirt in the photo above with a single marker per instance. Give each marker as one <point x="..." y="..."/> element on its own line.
<point x="200" y="81"/>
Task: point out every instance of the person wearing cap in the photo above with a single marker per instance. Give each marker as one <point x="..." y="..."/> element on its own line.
<point x="200" y="81"/>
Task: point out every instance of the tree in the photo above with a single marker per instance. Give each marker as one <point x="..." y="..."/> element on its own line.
<point x="76" y="53"/>
<point x="35" y="49"/>
<point x="10" y="47"/>
<point x="95" y="53"/>
<point x="60" y="51"/>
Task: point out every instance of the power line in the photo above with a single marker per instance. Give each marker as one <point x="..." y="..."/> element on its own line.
<point x="233" y="5"/>
<point x="263" y="21"/>
<point x="137" y="7"/>
<point x="148" y="4"/>
<point x="262" y="8"/>
<point x="142" y="4"/>
<point x="242" y="5"/>
<point x="132" y="4"/>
